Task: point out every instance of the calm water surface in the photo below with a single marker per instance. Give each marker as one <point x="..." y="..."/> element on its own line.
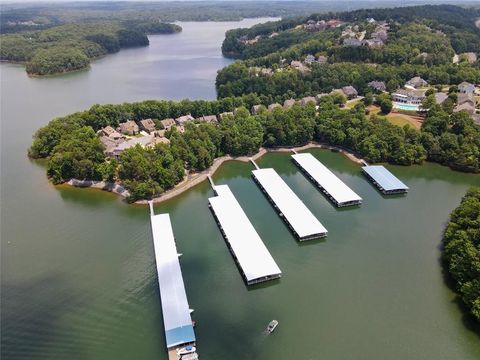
<point x="78" y="276"/>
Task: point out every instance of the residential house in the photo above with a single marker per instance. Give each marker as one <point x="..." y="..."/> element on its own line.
<point x="416" y="82"/>
<point x="147" y="125"/>
<point x="352" y="42"/>
<point x="308" y="99"/>
<point x="161" y="140"/>
<point x="208" y="119"/>
<point x="111" y="132"/>
<point x="273" y="106"/>
<point x="470" y="57"/>
<point x="143" y="141"/>
<point x="287" y="104"/>
<point x="182" y="120"/>
<point x="167" y="123"/>
<point x="256" y="109"/>
<point x="466" y="88"/>
<point x="319" y="96"/>
<point x="309" y="59"/>
<point x="406" y="96"/>
<point x="110" y="143"/>
<point x="476" y="118"/>
<point x="322" y="59"/>
<point x="225" y="115"/>
<point x="440" y="97"/>
<point x="373" y="43"/>
<point x="350" y="92"/>
<point x="377" y="86"/>
<point x="298" y="65"/>
<point x="463" y="98"/>
<point x="466" y="106"/>
<point x="180" y="128"/>
<point x="129" y="127"/>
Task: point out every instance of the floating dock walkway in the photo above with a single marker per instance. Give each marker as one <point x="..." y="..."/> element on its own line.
<point x="291" y="209"/>
<point x="334" y="188"/>
<point x="247" y="248"/>
<point x="176" y="311"/>
<point x="384" y="180"/>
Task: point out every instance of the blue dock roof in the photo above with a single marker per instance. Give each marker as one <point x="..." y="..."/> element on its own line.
<point x="384" y="178"/>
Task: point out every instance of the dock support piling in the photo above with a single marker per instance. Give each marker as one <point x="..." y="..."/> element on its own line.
<point x="150" y="203"/>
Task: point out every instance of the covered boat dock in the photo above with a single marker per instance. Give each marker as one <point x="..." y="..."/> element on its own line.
<point x="247" y="248"/>
<point x="384" y="180"/>
<point x="334" y="188"/>
<point x="175" y="309"/>
<point x="291" y="209"/>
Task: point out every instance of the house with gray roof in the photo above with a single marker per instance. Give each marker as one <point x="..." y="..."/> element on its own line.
<point x="377" y="86"/>
<point x="406" y="96"/>
<point x="350" y="92"/>
<point x="440" y="97"/>
<point x="212" y="119"/>
<point x="287" y="104"/>
<point x="466" y="88"/>
<point x="309" y="59"/>
<point x="416" y="82"/>
<point x="143" y="141"/>
<point x="273" y="106"/>
<point x="182" y="120"/>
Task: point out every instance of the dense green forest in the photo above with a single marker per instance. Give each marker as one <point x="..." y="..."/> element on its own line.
<point x="74" y="151"/>
<point x="455" y="23"/>
<point x="461" y="250"/>
<point x="25" y="16"/>
<point x="70" y="47"/>
<point x="417" y="45"/>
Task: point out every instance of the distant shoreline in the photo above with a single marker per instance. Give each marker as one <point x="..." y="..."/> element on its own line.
<point x="193" y="179"/>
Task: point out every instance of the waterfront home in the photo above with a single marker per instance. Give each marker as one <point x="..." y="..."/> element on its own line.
<point x="287" y="104"/>
<point x="416" y="82"/>
<point x="440" y="98"/>
<point x="466" y="88"/>
<point x="110" y="143"/>
<point x="307" y="100"/>
<point x="256" y="109"/>
<point x="322" y="59"/>
<point x="143" y="141"/>
<point x="298" y="65"/>
<point x="273" y="106"/>
<point x="406" y="96"/>
<point x="470" y="57"/>
<point x="350" y="92"/>
<point x="226" y="114"/>
<point x="129" y="127"/>
<point x="182" y="120"/>
<point x="147" y="125"/>
<point x="111" y="132"/>
<point x="377" y="86"/>
<point x="309" y="59"/>
<point x="167" y="123"/>
<point x="466" y="98"/>
<point x="467" y="107"/>
<point x="352" y="42"/>
<point x="212" y="119"/>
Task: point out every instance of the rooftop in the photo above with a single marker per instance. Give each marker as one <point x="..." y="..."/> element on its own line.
<point x="175" y="308"/>
<point x="293" y="210"/>
<point x="341" y="194"/>
<point x="248" y="248"/>
<point x="384" y="178"/>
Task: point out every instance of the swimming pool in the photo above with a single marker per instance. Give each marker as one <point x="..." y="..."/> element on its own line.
<point x="409" y="107"/>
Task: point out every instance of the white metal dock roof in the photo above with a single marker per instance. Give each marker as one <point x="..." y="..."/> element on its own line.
<point x="175" y="309"/>
<point x="335" y="187"/>
<point x="384" y="178"/>
<point x="300" y="218"/>
<point x="251" y="253"/>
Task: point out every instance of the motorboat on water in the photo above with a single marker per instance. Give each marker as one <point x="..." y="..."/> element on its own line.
<point x="272" y="326"/>
<point x="189" y="349"/>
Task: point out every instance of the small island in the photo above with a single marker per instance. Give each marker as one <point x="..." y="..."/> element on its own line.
<point x="72" y="47"/>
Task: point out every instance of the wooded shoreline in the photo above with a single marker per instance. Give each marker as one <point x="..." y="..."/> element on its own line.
<point x="193" y="179"/>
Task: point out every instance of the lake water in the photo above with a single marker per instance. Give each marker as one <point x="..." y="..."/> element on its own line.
<point x="78" y="278"/>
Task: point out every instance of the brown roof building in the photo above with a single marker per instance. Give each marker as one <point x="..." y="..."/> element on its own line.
<point x="147" y="125"/>
<point x="167" y="123"/>
<point x="129" y="127"/>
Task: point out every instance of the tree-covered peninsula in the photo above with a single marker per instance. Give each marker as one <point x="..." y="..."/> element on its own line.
<point x="72" y="46"/>
<point x="461" y="250"/>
